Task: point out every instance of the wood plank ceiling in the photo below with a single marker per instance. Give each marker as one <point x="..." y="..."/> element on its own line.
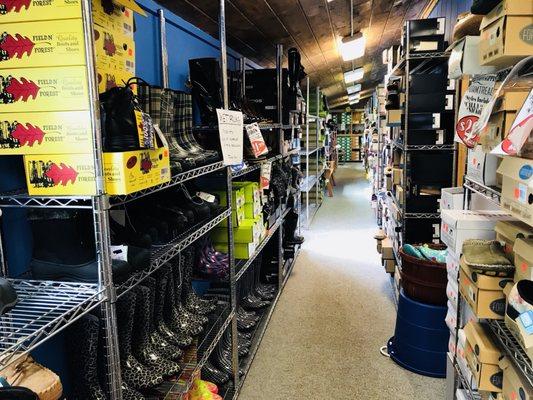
<point x="254" y="27"/>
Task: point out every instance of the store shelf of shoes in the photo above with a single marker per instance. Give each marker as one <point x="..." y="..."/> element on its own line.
<point x="162" y="254"/>
<point x="254" y="167"/>
<point x="491" y="193"/>
<point x="512" y="348"/>
<point x="218" y="323"/>
<point x="44" y="308"/>
<point x="308" y="183"/>
<point x="242" y="266"/>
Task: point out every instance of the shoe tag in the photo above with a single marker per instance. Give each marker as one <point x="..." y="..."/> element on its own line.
<point x="526" y="319"/>
<point x="257" y="141"/>
<point x="119" y="253"/>
<point x="206" y="197"/>
<point x="266" y="172"/>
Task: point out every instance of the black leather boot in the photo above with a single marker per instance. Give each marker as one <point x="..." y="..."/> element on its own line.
<point x="134" y="373"/>
<point x="141" y="346"/>
<point x="206" y="88"/>
<point x="82" y="344"/>
<point x="157" y="341"/>
<point x="290" y="226"/>
<point x="213" y="374"/>
<point x="192" y="301"/>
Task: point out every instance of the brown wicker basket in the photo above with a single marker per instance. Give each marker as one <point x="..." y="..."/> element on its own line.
<point x="424" y="280"/>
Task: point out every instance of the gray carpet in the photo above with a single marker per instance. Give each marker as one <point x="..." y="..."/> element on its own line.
<point x="335" y="313"/>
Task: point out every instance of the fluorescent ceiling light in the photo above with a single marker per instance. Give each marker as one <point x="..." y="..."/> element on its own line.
<point x="355" y="96"/>
<point x="354" y="89"/>
<point x="352" y="47"/>
<point x="354" y="76"/>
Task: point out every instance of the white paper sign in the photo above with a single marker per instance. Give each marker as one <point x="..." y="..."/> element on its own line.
<point x="266" y="171"/>
<point x="257" y="141"/>
<point x="474" y="101"/>
<point x="230" y="128"/>
<point x="520" y="130"/>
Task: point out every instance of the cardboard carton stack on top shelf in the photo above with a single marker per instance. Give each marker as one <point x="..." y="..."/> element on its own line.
<point x="495" y="167"/>
<point x="45" y="97"/>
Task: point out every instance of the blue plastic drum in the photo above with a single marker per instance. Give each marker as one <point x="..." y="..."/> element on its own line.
<point x="420" y="340"/>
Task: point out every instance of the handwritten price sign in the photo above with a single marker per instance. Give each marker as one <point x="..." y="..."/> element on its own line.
<point x="230" y="127"/>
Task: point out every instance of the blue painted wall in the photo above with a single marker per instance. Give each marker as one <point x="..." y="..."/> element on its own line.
<point x="185" y="41"/>
<point x="450" y="9"/>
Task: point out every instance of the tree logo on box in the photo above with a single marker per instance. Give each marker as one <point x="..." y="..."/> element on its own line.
<point x="12" y="89"/>
<point x="13" y="5"/>
<point x="109" y="45"/>
<point x="49" y="174"/>
<point x="16" y="46"/>
<point x="146" y="163"/>
<point x="15" y="134"/>
<point x="526" y="34"/>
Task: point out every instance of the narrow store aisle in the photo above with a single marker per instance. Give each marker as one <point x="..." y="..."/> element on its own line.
<point x="335" y="313"/>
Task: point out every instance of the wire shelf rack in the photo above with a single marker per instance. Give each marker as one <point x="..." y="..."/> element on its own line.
<point x="242" y="266"/>
<point x="422" y="147"/>
<point x="44" y="308"/>
<point x="423" y="215"/>
<point x="21" y="198"/>
<point x="491" y="193"/>
<point x="512" y="348"/>
<point x="163" y="254"/>
<point x="431" y="54"/>
<point x="174" y="181"/>
<point x="308" y="183"/>
<point x="175" y="389"/>
<point x="472" y="394"/>
<point x="254" y="167"/>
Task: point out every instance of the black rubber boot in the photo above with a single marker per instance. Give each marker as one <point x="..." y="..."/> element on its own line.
<point x="191" y="300"/>
<point x="141" y="346"/>
<point x="82" y="345"/>
<point x="134" y="373"/>
<point x="290" y="226"/>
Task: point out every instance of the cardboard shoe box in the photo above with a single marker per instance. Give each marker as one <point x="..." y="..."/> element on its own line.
<point x="515" y="324"/>
<point x="237" y="198"/>
<point x="506" y="33"/>
<point x="464" y="59"/>
<point x="29" y="11"/>
<point x="114" y="51"/>
<point x="481" y="167"/>
<point x="517" y="188"/>
<point x="120" y="20"/>
<point x="74" y="174"/>
<point x="242" y="251"/>
<point x="452" y="198"/>
<point x="483" y="293"/>
<point x="482" y="357"/>
<point x="514" y="385"/>
<point x="109" y="78"/>
<point x="46" y="133"/>
<point x="523" y="259"/>
<point x="508" y="231"/>
<point x="42" y="44"/>
<point x="397" y="176"/>
<point x="460" y="225"/>
<point x="44" y="89"/>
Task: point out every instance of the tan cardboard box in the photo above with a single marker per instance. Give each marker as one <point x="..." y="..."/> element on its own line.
<point x="514" y="385"/>
<point x="397" y="176"/>
<point x="517" y="187"/>
<point x="482" y="356"/>
<point x="394" y="117"/>
<point x="508" y="231"/>
<point x="507" y="33"/>
<point x="389" y="265"/>
<point x="386" y="249"/>
<point x="399" y="194"/>
<point x="523" y="259"/>
<point x="498" y="127"/>
<point x="483" y="293"/>
<point x="524" y="339"/>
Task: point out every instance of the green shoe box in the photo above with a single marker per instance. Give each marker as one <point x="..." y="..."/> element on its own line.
<point x="247" y="232"/>
<point x="237" y="216"/>
<point x="252" y="210"/>
<point x="252" y="194"/>
<point x="237" y="198"/>
<point x="243" y="251"/>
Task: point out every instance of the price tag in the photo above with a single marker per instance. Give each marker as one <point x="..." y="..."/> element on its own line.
<point x="266" y="171"/>
<point x="230" y="127"/>
<point x="119" y="253"/>
<point x="257" y="141"/>
<point x="206" y="197"/>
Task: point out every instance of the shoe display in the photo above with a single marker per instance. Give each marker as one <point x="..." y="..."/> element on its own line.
<point x="213" y="374"/>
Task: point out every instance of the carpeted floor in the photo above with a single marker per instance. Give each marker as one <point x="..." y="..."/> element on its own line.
<point x="335" y="313"/>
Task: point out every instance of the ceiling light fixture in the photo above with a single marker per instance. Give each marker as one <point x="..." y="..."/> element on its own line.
<point x="354" y="75"/>
<point x="354" y="89"/>
<point x="354" y="97"/>
<point x="352" y="47"/>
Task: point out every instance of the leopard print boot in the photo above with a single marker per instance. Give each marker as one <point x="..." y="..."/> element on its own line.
<point x="192" y="301"/>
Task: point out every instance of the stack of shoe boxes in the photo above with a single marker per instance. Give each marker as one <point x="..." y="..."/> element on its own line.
<point x="480" y="297"/>
<point x="45" y="99"/>
<point x="247" y="219"/>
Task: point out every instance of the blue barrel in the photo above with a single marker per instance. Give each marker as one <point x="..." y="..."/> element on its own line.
<point x="420" y="340"/>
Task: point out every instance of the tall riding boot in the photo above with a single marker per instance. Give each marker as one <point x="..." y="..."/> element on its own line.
<point x="192" y="301"/>
<point x="206" y="88"/>
<point x="294" y="70"/>
<point x="141" y="346"/>
<point x="190" y="322"/>
<point x="291" y="224"/>
<point x="157" y="341"/>
<point x="134" y="373"/>
<point x="82" y="344"/>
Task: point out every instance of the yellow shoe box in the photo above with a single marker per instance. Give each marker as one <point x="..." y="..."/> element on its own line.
<point x="120" y="20"/>
<point x="110" y="78"/>
<point x="242" y="251"/>
<point x="42" y="44"/>
<point x="46" y="133"/>
<point x="74" y="174"/>
<point x="248" y="231"/>
<point x="237" y="216"/>
<point x="44" y="89"/>
<point x="237" y="198"/>
<point x="114" y="51"/>
<point x="34" y="10"/>
<point x="252" y="210"/>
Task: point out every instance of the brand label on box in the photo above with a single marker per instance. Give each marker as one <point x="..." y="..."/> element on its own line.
<point x="35" y="10"/>
<point x="119" y="20"/>
<point x="42" y="44"/>
<point x="44" y="89"/>
<point x="114" y="50"/>
<point x="46" y="133"/>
